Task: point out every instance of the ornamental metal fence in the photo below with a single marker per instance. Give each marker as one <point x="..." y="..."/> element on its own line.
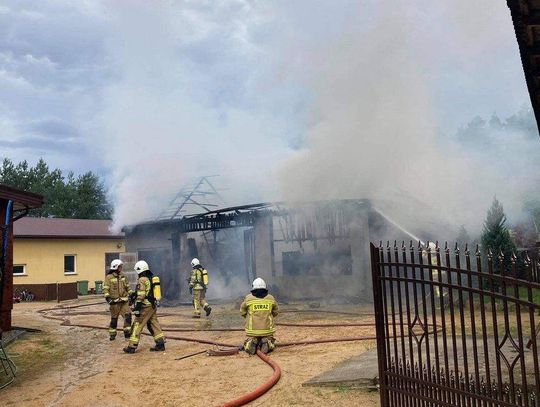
<point x="456" y="328"/>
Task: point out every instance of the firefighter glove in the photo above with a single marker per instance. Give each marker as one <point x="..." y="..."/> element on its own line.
<point x="191" y="290"/>
<point x="132" y="297"/>
<point x="137" y="309"/>
<point x="108" y="299"/>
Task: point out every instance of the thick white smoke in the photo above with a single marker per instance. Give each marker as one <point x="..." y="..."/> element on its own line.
<point x="182" y="106"/>
<point x="376" y="132"/>
<point x="308" y="100"/>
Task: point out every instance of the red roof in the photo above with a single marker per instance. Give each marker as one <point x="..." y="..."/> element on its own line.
<point x="64" y="228"/>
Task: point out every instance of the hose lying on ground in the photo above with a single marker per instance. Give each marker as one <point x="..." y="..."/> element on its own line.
<point x="259" y="391"/>
<point x="231" y="348"/>
<point x="213" y="352"/>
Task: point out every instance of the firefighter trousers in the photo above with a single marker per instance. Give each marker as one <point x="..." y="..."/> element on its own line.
<point x="252" y="343"/>
<point x="117" y="309"/>
<point x="148" y="317"/>
<point x="199" y="301"/>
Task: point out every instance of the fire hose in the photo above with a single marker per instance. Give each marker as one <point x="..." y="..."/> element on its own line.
<point x="259" y="391"/>
<point x="230" y="349"/>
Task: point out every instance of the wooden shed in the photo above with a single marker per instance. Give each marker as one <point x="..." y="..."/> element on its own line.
<point x="14" y="204"/>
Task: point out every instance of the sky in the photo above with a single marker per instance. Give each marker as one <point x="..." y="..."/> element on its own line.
<point x="256" y="91"/>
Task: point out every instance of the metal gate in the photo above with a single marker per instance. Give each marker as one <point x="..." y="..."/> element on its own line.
<point x="455" y="329"/>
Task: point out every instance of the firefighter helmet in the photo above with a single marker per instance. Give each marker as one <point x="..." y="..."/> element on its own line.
<point x="258" y="284"/>
<point x="116" y="263"/>
<point x="195" y="262"/>
<point x="141" y="266"/>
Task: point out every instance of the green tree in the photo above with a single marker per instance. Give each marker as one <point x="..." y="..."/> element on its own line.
<point x="90" y="199"/>
<point x="496" y="236"/>
<point x="82" y="197"/>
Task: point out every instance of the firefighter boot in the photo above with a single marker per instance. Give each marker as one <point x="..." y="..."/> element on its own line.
<point x="207" y="309"/>
<point x="250" y="345"/>
<point x="160" y="346"/>
<point x="129" y="349"/>
<point x="264" y="346"/>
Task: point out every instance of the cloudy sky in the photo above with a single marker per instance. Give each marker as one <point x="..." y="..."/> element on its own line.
<point x="141" y="90"/>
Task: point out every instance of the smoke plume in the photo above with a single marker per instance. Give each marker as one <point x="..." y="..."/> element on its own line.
<point x="312" y="100"/>
<point x="375" y="131"/>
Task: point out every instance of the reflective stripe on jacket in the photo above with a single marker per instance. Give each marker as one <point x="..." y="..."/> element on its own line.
<point x="259" y="314"/>
<point x="143" y="291"/>
<point x="116" y="286"/>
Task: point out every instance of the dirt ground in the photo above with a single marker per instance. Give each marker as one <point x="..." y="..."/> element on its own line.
<point x="72" y="366"/>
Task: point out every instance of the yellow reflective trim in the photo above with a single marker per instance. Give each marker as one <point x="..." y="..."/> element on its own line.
<point x="260" y="332"/>
<point x="259" y="301"/>
<point x="134" y="337"/>
<point x="159" y="336"/>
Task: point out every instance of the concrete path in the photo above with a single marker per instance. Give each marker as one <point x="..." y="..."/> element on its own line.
<point x="359" y="371"/>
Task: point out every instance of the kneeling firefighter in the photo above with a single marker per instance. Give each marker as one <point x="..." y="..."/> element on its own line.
<point x="198" y="282"/>
<point x="145" y="310"/>
<point x="259" y="308"/>
<point x="116" y="290"/>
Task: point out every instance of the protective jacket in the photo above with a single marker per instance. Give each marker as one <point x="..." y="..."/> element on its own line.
<point x="259" y="314"/>
<point x="197" y="279"/>
<point x="144" y="291"/>
<point x="116" y="286"/>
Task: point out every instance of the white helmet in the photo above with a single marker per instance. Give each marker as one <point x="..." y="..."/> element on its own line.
<point x="141" y="266"/>
<point x="116" y="263"/>
<point x="258" y="283"/>
<point x="195" y="262"/>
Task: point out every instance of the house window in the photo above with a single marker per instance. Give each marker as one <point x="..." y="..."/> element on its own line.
<point x="70" y="264"/>
<point x="19" y="269"/>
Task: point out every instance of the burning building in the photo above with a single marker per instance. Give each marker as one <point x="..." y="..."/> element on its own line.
<point x="304" y="251"/>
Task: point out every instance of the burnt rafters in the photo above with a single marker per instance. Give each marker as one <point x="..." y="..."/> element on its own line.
<point x="196" y="195"/>
<point x="291" y="228"/>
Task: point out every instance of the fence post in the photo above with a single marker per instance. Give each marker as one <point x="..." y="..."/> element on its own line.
<point x="379" y="323"/>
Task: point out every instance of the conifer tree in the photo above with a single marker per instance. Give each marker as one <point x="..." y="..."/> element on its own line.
<point x="496" y="236"/>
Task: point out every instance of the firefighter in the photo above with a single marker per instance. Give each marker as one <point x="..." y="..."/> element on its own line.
<point x="145" y="309"/>
<point x="198" y="282"/>
<point x="259" y="308"/>
<point x="117" y="291"/>
<point x="435" y="271"/>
